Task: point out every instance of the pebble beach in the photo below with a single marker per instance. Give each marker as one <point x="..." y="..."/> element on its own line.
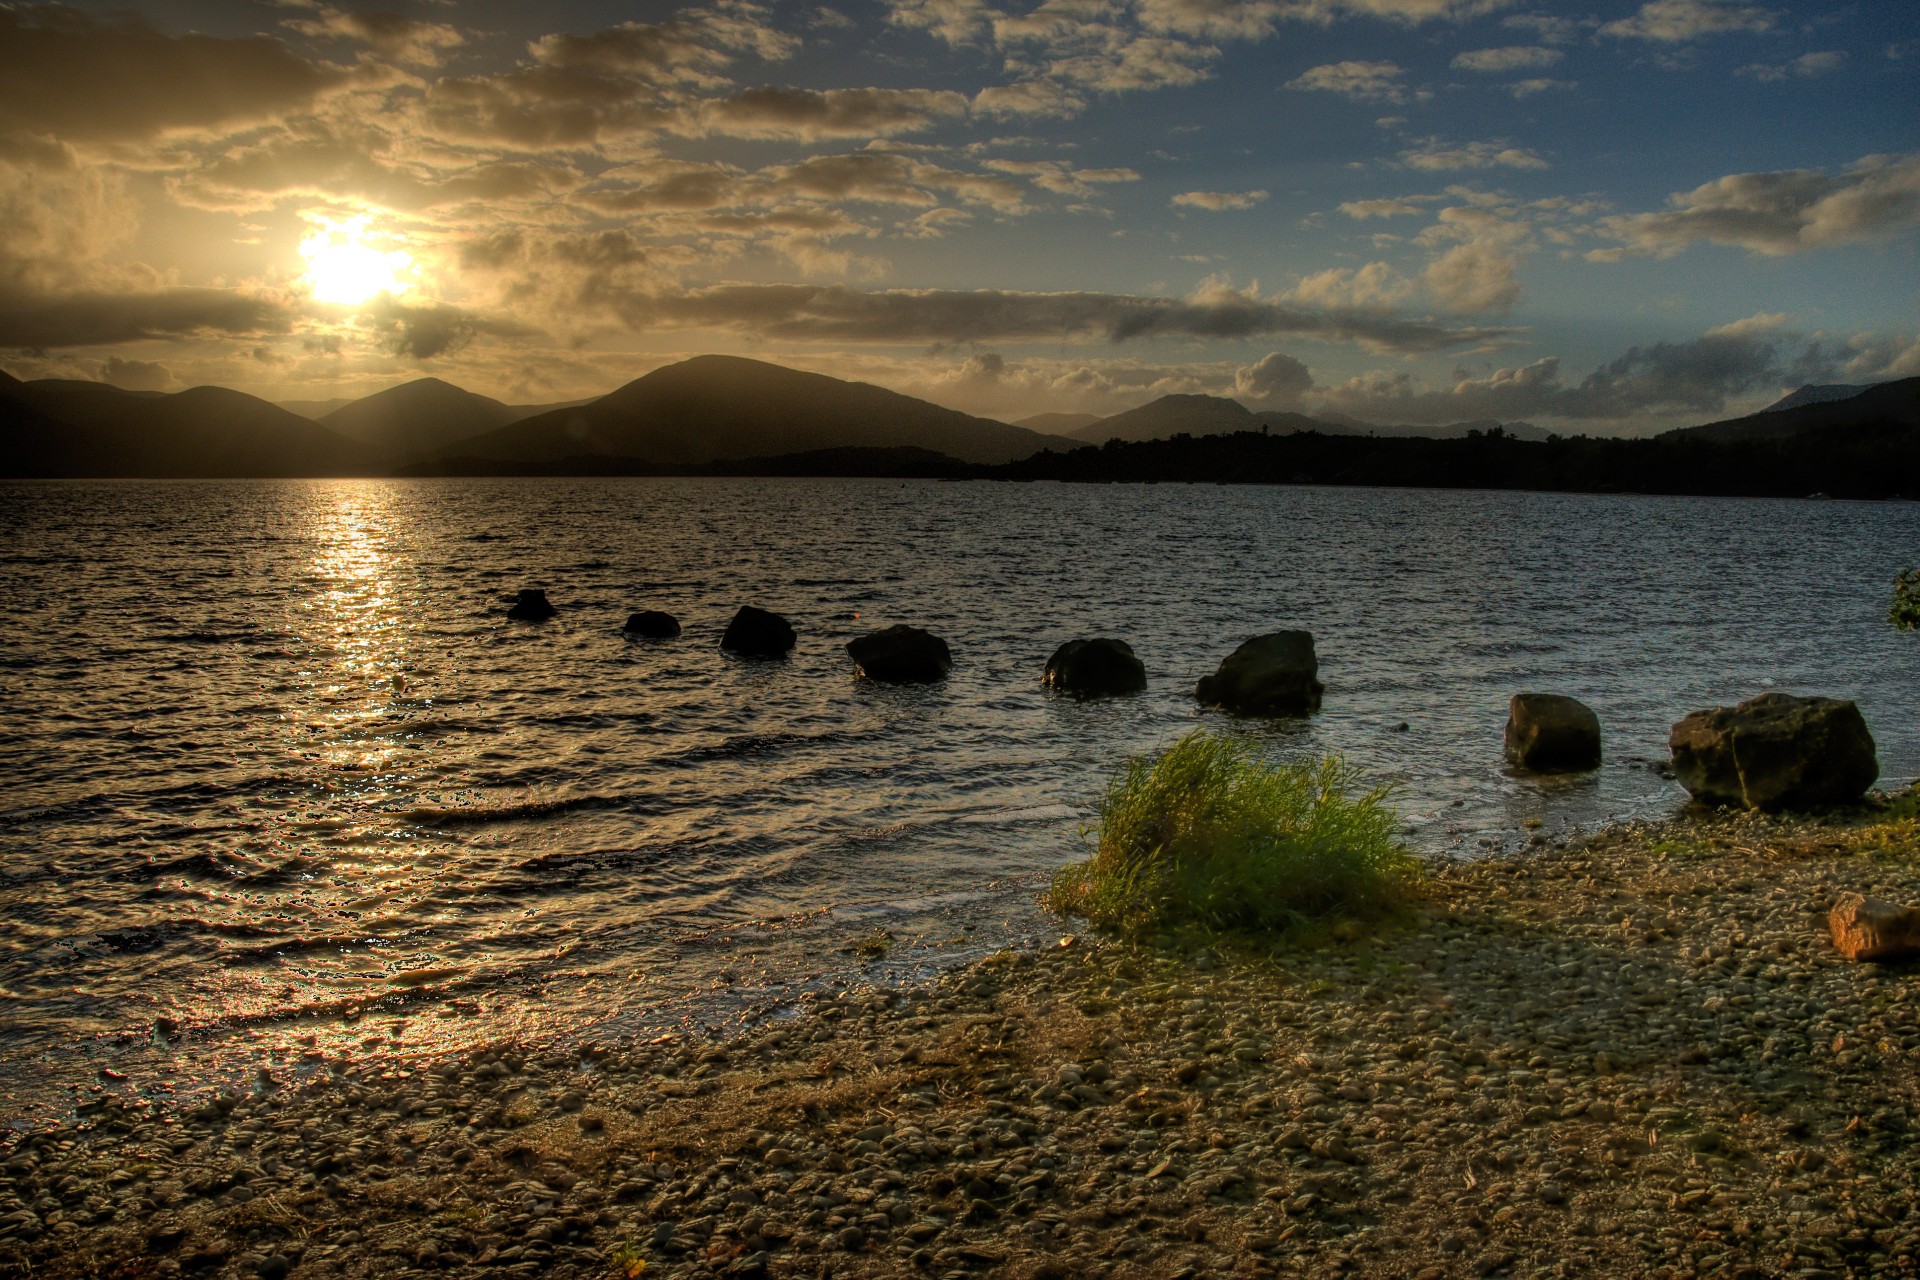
<point x="1632" y="1053"/>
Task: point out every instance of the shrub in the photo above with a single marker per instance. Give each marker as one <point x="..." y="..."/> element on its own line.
<point x="1208" y="834"/>
<point x="1905" y="613"/>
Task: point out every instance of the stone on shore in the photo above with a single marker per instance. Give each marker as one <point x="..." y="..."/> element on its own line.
<point x="1270" y="675"/>
<point x="1776" y="751"/>
<point x="652" y="624"/>
<point x="758" y="633"/>
<point x="1095" y="668"/>
<point x="1552" y="733"/>
<point x="901" y="655"/>
<point x="1867" y="929"/>
<point x="532" y="606"/>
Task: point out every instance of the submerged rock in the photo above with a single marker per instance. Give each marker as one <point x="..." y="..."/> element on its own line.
<point x="1866" y="929"/>
<point x="1095" y="668"/>
<point x="1552" y="733"/>
<point x="1776" y="751"/>
<point x="652" y="624"/>
<point x="532" y="606"/>
<point x="1270" y="675"/>
<point x="758" y="633"/>
<point x="901" y="655"/>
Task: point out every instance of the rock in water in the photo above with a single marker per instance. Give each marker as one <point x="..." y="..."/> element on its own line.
<point x="532" y="606"/>
<point x="758" y="633"/>
<point x="1776" y="751"/>
<point x="901" y="655"/>
<point x="1095" y="669"/>
<point x="1270" y="675"/>
<point x="652" y="624"/>
<point x="1552" y="733"/>
<point x="1865" y="929"/>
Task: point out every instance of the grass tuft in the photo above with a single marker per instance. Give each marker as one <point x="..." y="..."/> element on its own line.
<point x="1208" y="834"/>
<point x="1905" y="612"/>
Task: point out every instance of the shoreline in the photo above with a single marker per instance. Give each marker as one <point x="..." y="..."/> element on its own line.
<point x="1632" y="1052"/>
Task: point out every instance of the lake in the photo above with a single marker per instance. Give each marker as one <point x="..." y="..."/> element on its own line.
<point x="283" y="783"/>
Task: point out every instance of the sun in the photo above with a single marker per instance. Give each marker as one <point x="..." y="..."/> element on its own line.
<point x="342" y="267"/>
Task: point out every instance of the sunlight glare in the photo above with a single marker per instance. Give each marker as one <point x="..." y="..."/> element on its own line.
<point x="342" y="267"/>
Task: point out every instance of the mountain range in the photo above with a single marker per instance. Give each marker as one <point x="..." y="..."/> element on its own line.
<point x="712" y="414"/>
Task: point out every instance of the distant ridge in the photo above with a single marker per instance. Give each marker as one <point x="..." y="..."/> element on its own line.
<point x="1169" y="416"/>
<point x="713" y="408"/>
<point x="1883" y="405"/>
<point x="1818" y="393"/>
<point x="419" y="417"/>
<point x="1059" y="424"/>
<point x="63" y="428"/>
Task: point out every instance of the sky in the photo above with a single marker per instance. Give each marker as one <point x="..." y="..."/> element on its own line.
<point x="1607" y="217"/>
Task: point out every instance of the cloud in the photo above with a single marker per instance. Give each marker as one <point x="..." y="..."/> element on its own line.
<point x="1276" y="381"/>
<point x="1361" y="81"/>
<point x="82" y="80"/>
<point x="426" y="330"/>
<point x="1060" y="178"/>
<point x="1374" y="286"/>
<point x="816" y="313"/>
<point x="816" y="114"/>
<point x="1697" y="378"/>
<point x="1545" y="27"/>
<point x="1807" y="64"/>
<point x="1218" y="201"/>
<point x="136" y="375"/>
<point x="1780" y="212"/>
<point x="1510" y="58"/>
<point x="1527" y="88"/>
<point x="391" y="35"/>
<point x="89" y="318"/>
<point x="1435" y="154"/>
<point x="1386" y="208"/>
<point x="957" y="22"/>
<point x="1474" y="277"/>
<point x="1678" y="21"/>
<point x="1039" y="99"/>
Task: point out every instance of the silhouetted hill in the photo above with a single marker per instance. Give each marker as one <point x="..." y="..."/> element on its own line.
<point x="1170" y="416"/>
<point x="61" y="428"/>
<point x="1846" y="460"/>
<point x="1889" y="404"/>
<point x="1818" y="393"/>
<point x="724" y="407"/>
<point x="1057" y="424"/>
<point x="419" y="417"/>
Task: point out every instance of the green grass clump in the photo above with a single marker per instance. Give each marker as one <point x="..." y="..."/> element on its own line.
<point x="1905" y="613"/>
<point x="1208" y="834"/>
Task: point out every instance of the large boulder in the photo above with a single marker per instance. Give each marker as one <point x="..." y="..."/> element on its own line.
<point x="532" y="606"/>
<point x="1095" y="668"/>
<point x="1552" y="733"/>
<point x="652" y="624"/>
<point x="901" y="655"/>
<point x="1776" y="751"/>
<point x="758" y="633"/>
<point x="1270" y="675"/>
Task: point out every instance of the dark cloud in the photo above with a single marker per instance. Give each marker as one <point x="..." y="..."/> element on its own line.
<point x="136" y="375"/>
<point x="811" y="114"/>
<point x="85" y="80"/>
<point x="423" y="331"/>
<point x="1698" y="377"/>
<point x="838" y="313"/>
<point x="85" y="319"/>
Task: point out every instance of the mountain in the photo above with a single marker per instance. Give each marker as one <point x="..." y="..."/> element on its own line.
<point x="63" y="428"/>
<point x="1817" y="393"/>
<point x="1885" y="405"/>
<point x="419" y="417"/>
<point x="1057" y="424"/>
<point x="315" y="409"/>
<point x="713" y="408"/>
<point x="1170" y="416"/>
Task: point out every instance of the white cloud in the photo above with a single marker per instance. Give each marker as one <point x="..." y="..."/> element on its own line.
<point x="1372" y="287"/>
<point x="1509" y="58"/>
<point x="1361" y="81"/>
<point x="1435" y="154"/>
<point x="1218" y="201"/>
<point x="1275" y="381"/>
<point x="1528" y="88"/>
<point x="1678" y="21"/>
<point x="1781" y="212"/>
<point x="1806" y="65"/>
<point x="1474" y="277"/>
<point x="1384" y="208"/>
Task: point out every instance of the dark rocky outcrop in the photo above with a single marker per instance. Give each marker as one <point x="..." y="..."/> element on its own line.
<point x="652" y="624"/>
<point x="901" y="655"/>
<point x="1270" y="675"/>
<point x="1552" y="733"/>
<point x="1776" y="751"/>
<point x="1095" y="668"/>
<point x="1867" y="929"/>
<point x="532" y="606"/>
<point x="758" y="633"/>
